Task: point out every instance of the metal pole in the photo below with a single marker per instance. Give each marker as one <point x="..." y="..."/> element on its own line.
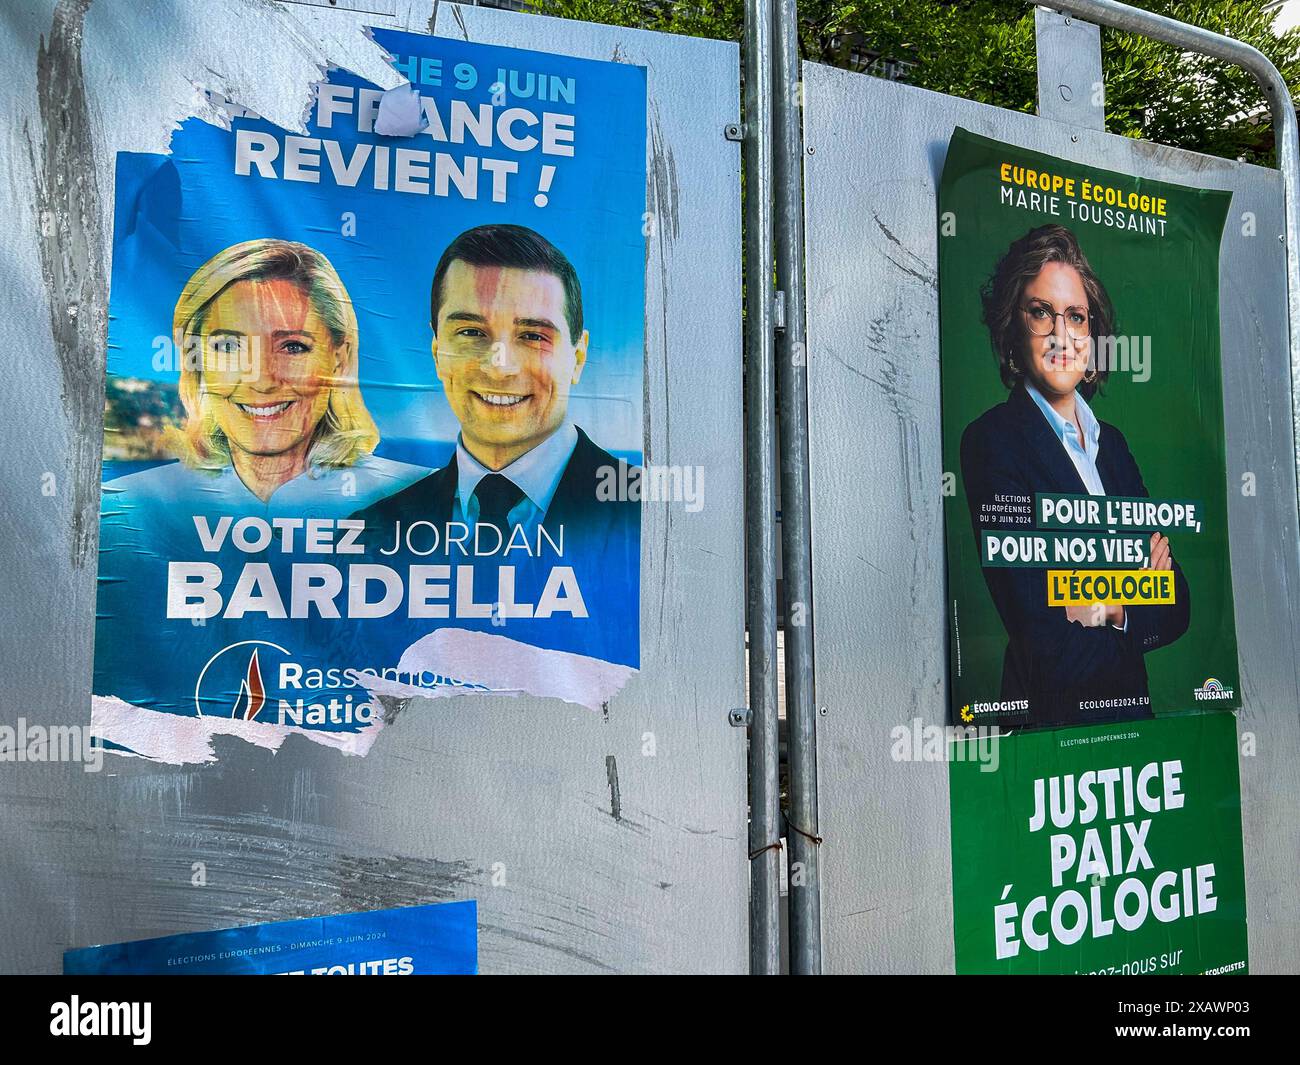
<point x="796" y="543"/>
<point x="1194" y="39"/>
<point x="760" y="497"/>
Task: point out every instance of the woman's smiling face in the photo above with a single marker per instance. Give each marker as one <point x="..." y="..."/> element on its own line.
<point x="1054" y="301"/>
<point x="273" y="327"/>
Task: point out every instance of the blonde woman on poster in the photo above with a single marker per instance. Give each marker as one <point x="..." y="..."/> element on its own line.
<point x="274" y="415"/>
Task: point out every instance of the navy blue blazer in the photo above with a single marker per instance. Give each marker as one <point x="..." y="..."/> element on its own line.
<point x="594" y="523"/>
<point x="601" y="538"/>
<point x="1070" y="674"/>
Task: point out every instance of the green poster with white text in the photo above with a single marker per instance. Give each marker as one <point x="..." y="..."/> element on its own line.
<point x="1112" y="849"/>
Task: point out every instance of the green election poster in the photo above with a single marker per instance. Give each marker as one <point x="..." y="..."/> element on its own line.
<point x="1085" y="491"/>
<point x="1111" y="849"/>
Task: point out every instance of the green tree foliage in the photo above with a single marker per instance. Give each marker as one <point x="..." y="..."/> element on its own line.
<point x="984" y="50"/>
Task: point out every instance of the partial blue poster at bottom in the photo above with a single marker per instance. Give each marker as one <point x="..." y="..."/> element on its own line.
<point x="438" y="939"/>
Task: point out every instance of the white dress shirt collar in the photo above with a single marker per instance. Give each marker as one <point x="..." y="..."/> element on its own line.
<point x="536" y="473"/>
<point x="1084" y="456"/>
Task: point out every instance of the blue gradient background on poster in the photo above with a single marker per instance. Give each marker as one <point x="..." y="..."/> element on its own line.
<point x="174" y="212"/>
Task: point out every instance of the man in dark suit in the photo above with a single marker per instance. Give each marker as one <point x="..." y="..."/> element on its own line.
<point x="1071" y="672"/>
<point x="577" y="505"/>
<point x="508" y="346"/>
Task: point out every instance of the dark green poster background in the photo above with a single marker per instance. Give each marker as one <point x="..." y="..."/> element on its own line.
<point x="1165" y="288"/>
<point x="1000" y="866"/>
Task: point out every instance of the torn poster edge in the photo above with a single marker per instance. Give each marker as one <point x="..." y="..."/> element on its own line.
<point x="488" y="664"/>
<point x="176" y="739"/>
<point x="492" y="664"/>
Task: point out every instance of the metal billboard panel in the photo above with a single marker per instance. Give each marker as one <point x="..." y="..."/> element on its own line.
<point x="592" y="842"/>
<point x="875" y="150"/>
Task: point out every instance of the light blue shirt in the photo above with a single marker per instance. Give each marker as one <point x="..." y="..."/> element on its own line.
<point x="1083" y="457"/>
<point x="537" y="474"/>
<point x="175" y="490"/>
<point x="1082" y="452"/>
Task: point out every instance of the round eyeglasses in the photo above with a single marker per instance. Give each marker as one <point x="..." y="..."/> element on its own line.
<point x="1042" y="320"/>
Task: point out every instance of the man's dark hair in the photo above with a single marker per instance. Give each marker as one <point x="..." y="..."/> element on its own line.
<point x="514" y="248"/>
<point x="1003" y="293"/>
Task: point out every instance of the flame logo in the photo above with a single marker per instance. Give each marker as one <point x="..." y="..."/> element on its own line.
<point x="252" y="697"/>
<point x="252" y="693"/>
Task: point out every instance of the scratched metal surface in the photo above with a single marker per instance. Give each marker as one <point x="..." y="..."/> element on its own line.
<point x="612" y="860"/>
<point x="877" y="150"/>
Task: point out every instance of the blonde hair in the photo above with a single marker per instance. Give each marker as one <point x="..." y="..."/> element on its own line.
<point x="347" y="432"/>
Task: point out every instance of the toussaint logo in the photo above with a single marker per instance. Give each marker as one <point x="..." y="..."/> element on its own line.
<point x="1212" y="689"/>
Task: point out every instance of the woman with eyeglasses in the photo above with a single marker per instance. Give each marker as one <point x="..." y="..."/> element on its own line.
<point x="1045" y="309"/>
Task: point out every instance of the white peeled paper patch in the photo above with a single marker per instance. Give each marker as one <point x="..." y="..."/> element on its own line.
<point x="400" y="113"/>
<point x="504" y="667"/>
<point x="178" y="740"/>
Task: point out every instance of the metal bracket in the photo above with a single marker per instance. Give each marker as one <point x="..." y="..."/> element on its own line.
<point x="740" y="718"/>
<point x="734" y="131"/>
<point x="778" y="310"/>
<point x="1070" y="85"/>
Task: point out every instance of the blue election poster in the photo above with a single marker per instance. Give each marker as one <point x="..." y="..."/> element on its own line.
<point x="374" y="393"/>
<point x="438" y="939"/>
